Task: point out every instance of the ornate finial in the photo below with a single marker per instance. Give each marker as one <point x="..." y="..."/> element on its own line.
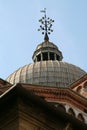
<point x="46" y="25"/>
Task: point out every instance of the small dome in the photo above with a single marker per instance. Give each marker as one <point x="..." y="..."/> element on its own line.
<point x="47" y="51"/>
<point x="46" y="44"/>
<point x="49" y="73"/>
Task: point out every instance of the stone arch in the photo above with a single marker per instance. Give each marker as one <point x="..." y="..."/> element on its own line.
<point x="39" y="57"/>
<point x="71" y="112"/>
<point x="62" y="107"/>
<point x="80" y="117"/>
<point x="79" y="89"/>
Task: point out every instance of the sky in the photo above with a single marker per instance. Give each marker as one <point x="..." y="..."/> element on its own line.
<point x="19" y="36"/>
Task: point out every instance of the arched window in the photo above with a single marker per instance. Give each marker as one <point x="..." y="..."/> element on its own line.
<point x="62" y="107"/>
<point x="39" y="57"/>
<point x="71" y="112"/>
<point x="79" y="89"/>
<point x="80" y="117"/>
<point x="52" y="56"/>
<point x="45" y="56"/>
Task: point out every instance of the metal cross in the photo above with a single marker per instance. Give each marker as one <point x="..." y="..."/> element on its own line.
<point x="46" y="25"/>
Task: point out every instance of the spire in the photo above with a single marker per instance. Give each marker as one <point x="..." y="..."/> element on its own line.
<point x="46" y="25"/>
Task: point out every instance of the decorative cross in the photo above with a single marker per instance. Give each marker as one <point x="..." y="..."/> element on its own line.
<point x="46" y="25"/>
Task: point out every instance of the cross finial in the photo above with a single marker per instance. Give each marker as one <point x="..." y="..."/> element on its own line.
<point x="46" y="25"/>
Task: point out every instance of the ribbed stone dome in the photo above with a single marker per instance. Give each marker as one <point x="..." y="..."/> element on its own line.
<point x="49" y="73"/>
<point x="48" y="68"/>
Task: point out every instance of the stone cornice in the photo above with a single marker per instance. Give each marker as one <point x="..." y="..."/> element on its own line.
<point x="62" y="95"/>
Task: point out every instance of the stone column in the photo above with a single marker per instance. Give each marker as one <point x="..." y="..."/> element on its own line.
<point x="55" y="56"/>
<point x="48" y="55"/>
<point x="41" y="57"/>
<point x="36" y="59"/>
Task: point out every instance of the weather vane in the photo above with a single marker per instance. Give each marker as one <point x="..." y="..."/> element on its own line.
<point x="46" y="25"/>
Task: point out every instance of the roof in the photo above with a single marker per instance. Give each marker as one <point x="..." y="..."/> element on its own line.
<point x="58" y="95"/>
<point x="19" y="91"/>
<point x="46" y="44"/>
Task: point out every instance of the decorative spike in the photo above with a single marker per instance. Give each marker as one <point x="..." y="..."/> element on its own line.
<point x="46" y="38"/>
<point x="46" y="25"/>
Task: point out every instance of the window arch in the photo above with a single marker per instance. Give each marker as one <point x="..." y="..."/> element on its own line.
<point x="79" y="89"/>
<point x="71" y="112"/>
<point x="62" y="107"/>
<point x="80" y="117"/>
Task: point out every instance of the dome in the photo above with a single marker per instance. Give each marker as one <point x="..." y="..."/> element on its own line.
<point x="49" y="73"/>
<point x="48" y="68"/>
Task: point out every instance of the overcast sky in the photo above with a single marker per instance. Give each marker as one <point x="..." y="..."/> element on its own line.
<point x="19" y="36"/>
